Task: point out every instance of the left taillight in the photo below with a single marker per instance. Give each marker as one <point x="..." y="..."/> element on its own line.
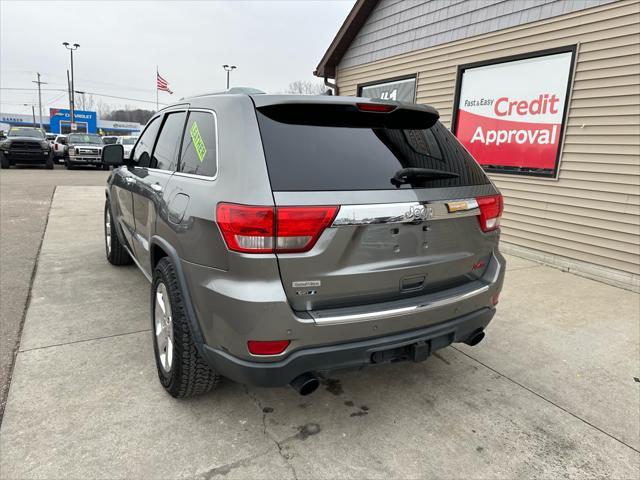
<point x="256" y="229"/>
<point x="491" y="208"/>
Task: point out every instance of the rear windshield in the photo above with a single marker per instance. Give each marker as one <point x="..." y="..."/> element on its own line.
<point x="339" y="156"/>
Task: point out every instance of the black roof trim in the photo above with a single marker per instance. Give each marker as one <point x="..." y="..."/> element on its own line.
<point x="348" y="31"/>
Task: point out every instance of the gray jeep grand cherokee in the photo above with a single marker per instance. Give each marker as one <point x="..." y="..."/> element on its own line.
<point x="285" y="236"/>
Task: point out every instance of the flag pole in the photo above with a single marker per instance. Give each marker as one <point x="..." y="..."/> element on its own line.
<point x="157" y="73"/>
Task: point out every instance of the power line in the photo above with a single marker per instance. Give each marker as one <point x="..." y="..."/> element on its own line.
<point x="79" y="91"/>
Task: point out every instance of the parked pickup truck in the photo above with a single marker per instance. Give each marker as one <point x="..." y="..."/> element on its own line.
<point x="25" y="145"/>
<point x="84" y="149"/>
<point x="60" y="148"/>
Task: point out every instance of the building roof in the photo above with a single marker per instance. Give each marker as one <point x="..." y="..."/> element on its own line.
<point x="348" y="31"/>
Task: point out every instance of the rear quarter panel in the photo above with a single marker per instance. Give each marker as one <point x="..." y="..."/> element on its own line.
<point x="241" y="178"/>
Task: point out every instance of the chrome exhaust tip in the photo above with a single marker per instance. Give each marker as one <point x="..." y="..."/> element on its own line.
<point x="305" y="384"/>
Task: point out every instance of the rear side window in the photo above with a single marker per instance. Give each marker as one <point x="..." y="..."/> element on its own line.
<point x="165" y="155"/>
<point x="199" y="145"/>
<point x="356" y="156"/>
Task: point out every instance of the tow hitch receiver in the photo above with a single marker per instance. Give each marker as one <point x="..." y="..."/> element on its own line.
<point x="418" y="352"/>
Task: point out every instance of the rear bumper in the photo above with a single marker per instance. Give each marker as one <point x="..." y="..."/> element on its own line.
<point x="356" y="354"/>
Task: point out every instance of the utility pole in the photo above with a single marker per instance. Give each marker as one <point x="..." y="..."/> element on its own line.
<point x="33" y="112"/>
<point x="39" y="96"/>
<point x="72" y="101"/>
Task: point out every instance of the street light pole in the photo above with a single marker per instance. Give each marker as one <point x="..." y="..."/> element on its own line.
<point x="228" y="69"/>
<point x="72" y="99"/>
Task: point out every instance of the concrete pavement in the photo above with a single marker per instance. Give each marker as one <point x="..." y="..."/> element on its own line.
<point x="549" y="393"/>
<point x="25" y="198"/>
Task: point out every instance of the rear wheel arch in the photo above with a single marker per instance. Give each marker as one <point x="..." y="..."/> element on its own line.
<point x="160" y="248"/>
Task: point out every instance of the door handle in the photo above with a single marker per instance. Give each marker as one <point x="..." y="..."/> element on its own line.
<point x="157" y="187"/>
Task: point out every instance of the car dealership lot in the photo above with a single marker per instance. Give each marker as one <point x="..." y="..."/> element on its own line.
<point x="550" y="392"/>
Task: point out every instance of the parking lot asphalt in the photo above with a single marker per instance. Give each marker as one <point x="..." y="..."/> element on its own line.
<point x="25" y="198"/>
<point x="550" y="393"/>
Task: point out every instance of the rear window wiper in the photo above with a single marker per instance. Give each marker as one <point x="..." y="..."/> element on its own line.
<point x="413" y="175"/>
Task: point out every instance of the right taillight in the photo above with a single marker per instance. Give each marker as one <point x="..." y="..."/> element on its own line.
<point x="491" y="208"/>
<point x="256" y="229"/>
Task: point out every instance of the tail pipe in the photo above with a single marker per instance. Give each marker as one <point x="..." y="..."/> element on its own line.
<point x="305" y="384"/>
<point x="475" y="338"/>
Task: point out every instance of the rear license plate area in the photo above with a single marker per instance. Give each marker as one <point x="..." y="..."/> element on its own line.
<point x="418" y="351"/>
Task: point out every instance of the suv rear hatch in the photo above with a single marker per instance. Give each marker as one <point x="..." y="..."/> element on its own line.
<point x="397" y="200"/>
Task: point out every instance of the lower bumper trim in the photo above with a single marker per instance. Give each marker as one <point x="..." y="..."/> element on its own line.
<point x="347" y="355"/>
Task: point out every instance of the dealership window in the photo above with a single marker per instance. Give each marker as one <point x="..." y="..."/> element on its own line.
<point x="510" y="113"/>
<point x="401" y="89"/>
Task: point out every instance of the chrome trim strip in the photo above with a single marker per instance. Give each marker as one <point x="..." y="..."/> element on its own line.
<point x="408" y="310"/>
<point x="408" y="212"/>
<point x="396" y="312"/>
<point x="135" y="260"/>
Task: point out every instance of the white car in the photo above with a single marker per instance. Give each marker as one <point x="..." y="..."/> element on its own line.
<point x="127" y="142"/>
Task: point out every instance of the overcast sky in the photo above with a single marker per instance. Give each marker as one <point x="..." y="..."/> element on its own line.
<point x="272" y="42"/>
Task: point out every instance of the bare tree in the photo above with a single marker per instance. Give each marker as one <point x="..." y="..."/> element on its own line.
<point x="305" y="87"/>
<point x="104" y="109"/>
<point x="129" y="114"/>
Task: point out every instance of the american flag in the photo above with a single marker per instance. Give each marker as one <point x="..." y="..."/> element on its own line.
<point x="163" y="84"/>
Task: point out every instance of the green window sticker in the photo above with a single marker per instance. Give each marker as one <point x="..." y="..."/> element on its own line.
<point x="198" y="143"/>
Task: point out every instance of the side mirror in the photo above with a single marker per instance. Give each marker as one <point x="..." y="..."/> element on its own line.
<point x="113" y="154"/>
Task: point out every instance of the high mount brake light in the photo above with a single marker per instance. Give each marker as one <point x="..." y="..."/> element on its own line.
<point x="375" y="107"/>
<point x="255" y="229"/>
<point x="491" y="208"/>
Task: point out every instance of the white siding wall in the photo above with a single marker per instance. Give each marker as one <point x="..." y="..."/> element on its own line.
<point x="591" y="213"/>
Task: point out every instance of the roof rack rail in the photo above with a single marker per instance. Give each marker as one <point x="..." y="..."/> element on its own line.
<point x="234" y="91"/>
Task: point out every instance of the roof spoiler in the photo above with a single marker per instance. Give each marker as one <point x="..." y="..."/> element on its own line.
<point x="360" y="113"/>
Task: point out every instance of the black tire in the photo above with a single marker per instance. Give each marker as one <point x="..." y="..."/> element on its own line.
<point x="4" y="161"/>
<point x="116" y="253"/>
<point x="68" y="165"/>
<point x="188" y="374"/>
<point x="104" y="167"/>
<point x="49" y="163"/>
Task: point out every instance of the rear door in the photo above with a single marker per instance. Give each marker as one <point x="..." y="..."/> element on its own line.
<point x="388" y="240"/>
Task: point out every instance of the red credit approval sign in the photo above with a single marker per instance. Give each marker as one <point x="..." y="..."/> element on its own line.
<point x="510" y="114"/>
